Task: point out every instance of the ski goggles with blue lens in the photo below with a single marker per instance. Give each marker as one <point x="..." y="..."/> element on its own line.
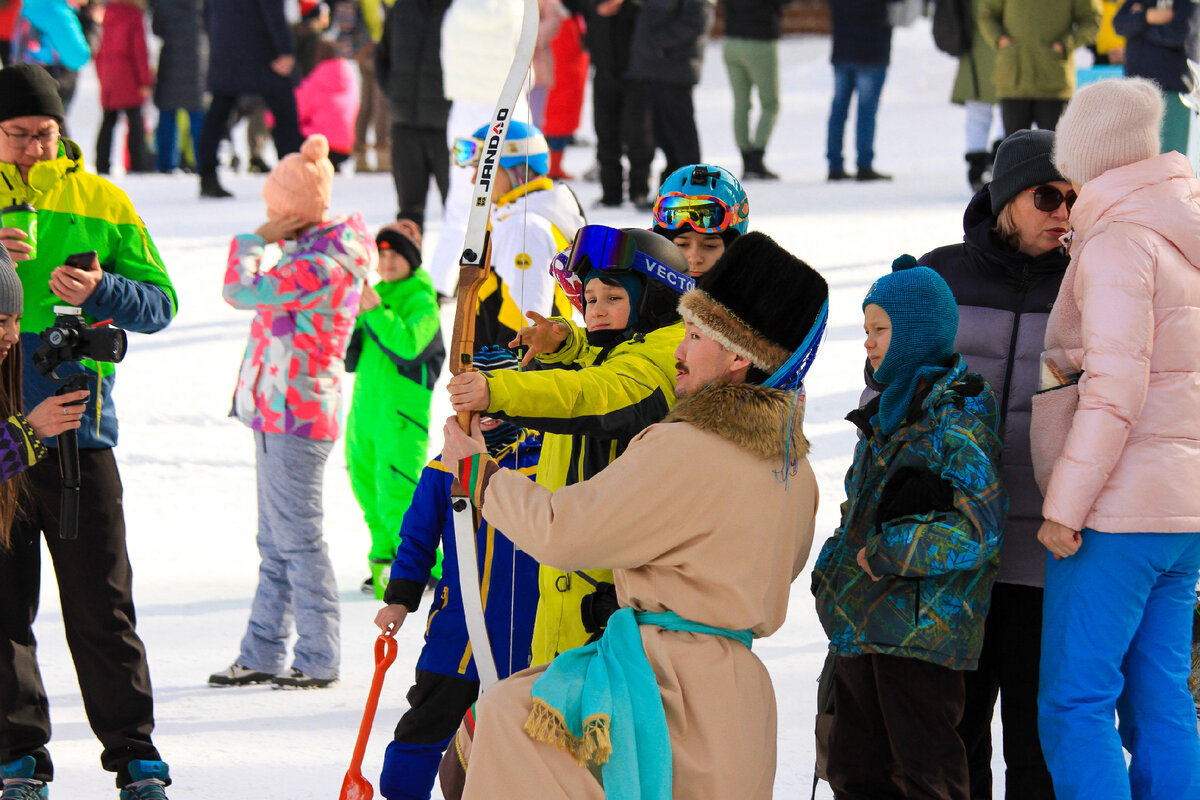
<point x="466" y="151"/>
<point x="603" y="248"/>
<point x="702" y="213"/>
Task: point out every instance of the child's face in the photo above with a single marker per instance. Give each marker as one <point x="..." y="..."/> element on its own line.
<point x="393" y="266"/>
<point x="605" y="307"/>
<point x="878" y="326"/>
<point x="700" y="249"/>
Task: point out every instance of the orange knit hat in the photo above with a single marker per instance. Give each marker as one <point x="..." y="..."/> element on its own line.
<point x="301" y="183"/>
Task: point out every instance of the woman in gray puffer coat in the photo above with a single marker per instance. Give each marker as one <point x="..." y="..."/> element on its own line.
<point x="1005" y="276"/>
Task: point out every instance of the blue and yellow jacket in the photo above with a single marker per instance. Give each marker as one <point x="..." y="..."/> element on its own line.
<point x="936" y="569"/>
<point x="508" y="577"/>
<point x="78" y="212"/>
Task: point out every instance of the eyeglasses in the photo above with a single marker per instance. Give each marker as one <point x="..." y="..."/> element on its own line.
<point x="1049" y="198"/>
<point x="603" y="248"/>
<point x="21" y="141"/>
<point x="702" y="213"/>
<point x="466" y="151"/>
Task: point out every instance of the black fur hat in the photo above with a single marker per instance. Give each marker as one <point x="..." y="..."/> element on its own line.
<point x="758" y="301"/>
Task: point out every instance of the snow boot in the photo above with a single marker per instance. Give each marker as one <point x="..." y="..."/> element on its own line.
<point x="753" y="167"/>
<point x="556" y="168"/>
<point x="295" y="679"/>
<point x="380" y="572"/>
<point x="211" y="187"/>
<point x="19" y="783"/>
<point x="149" y="780"/>
<point x="237" y="675"/>
<point x="360" y="158"/>
<point x="979" y="169"/>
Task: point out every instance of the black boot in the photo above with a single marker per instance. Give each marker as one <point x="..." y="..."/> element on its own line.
<point x="979" y="169"/>
<point x="211" y="187"/>
<point x="761" y="172"/>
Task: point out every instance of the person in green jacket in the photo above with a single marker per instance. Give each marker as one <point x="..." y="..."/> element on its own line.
<point x="1035" y="44"/>
<point x="596" y="390"/>
<point x="397" y="353"/>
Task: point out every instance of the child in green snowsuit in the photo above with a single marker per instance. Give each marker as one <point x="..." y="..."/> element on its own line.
<point x="397" y="353"/>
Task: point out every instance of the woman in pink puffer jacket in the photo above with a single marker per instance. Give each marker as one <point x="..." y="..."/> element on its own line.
<point x="1122" y="508"/>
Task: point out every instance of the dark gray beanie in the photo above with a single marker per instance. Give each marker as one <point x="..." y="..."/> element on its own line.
<point x="12" y="297"/>
<point x="1022" y="161"/>
<point x="27" y="90"/>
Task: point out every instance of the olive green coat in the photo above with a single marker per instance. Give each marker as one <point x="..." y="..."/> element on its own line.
<point x="1029" y="68"/>
<point x="973" y="82"/>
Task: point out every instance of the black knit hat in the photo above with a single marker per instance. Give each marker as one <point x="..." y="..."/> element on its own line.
<point x="758" y="301"/>
<point x="1022" y="161"/>
<point x="403" y="236"/>
<point x="27" y="90"/>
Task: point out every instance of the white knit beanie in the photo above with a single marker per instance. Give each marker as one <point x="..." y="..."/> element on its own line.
<point x="1108" y="124"/>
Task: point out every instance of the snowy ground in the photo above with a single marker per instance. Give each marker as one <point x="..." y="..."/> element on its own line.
<point x="188" y="470"/>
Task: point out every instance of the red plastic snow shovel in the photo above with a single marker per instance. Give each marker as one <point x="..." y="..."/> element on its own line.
<point x="355" y="786"/>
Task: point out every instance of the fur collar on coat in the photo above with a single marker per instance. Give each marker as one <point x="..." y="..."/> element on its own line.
<point x="752" y="417"/>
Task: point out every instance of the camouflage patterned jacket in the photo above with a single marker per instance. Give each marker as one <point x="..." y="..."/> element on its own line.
<point x="936" y="569"/>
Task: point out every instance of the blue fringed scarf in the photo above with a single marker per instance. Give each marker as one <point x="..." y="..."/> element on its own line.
<point x="601" y="703"/>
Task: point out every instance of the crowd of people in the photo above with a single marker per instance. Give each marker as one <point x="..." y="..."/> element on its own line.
<point x="1006" y="529"/>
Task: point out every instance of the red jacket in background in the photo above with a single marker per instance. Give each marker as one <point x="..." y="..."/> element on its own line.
<point x="122" y="62"/>
<point x="8" y="19"/>
<point x="564" y="101"/>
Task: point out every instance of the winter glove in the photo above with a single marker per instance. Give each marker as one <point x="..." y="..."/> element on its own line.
<point x="597" y="607"/>
<point x="914" y="491"/>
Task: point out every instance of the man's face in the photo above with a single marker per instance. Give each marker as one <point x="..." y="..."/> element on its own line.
<point x="700" y="361"/>
<point x="28" y="140"/>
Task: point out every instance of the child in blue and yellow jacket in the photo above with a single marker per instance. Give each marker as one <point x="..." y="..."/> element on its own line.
<point x="447" y="681"/>
<point x="903" y="585"/>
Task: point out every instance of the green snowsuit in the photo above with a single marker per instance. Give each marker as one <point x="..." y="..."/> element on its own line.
<point x="397" y="353"/>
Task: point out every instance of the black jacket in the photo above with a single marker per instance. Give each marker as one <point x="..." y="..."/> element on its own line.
<point x="408" y="63"/>
<point x="1004" y="299"/>
<point x="1157" y="52"/>
<point x="861" y="33"/>
<point x="754" y="19"/>
<point x="183" y="60"/>
<point x="668" y="40"/>
<point x="244" y="37"/>
<point x="609" y="40"/>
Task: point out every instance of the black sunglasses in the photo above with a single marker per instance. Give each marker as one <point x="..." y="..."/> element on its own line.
<point x="1049" y="198"/>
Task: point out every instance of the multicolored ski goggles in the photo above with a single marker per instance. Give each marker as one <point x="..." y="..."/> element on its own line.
<point x="604" y="248"/>
<point x="703" y="213"/>
<point x="466" y="150"/>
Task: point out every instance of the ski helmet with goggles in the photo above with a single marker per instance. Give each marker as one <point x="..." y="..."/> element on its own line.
<point x="704" y="198"/>
<point x="652" y="259"/>
<point x="523" y="143"/>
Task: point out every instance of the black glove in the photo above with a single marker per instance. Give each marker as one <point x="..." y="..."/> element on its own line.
<point x="913" y="491"/>
<point x="597" y="607"/>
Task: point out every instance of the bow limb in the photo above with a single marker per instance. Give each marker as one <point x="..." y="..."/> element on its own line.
<point x="474" y="268"/>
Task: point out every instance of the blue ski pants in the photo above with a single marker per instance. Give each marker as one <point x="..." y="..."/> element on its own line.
<point x="1116" y="639"/>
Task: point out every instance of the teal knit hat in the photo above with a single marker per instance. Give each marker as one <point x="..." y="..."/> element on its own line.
<point x="924" y="320"/>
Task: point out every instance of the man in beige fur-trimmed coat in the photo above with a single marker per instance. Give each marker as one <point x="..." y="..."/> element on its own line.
<point x="706" y="520"/>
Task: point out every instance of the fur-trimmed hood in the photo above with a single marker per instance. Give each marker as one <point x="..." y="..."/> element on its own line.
<point x="752" y="417"/>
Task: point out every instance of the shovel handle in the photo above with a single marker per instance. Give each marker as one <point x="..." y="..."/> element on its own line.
<point x="385" y="654"/>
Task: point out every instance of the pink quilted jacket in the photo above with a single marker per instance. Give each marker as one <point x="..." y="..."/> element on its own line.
<point x="1131" y="462"/>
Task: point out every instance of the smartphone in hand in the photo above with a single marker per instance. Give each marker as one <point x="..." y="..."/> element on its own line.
<point x="81" y="260"/>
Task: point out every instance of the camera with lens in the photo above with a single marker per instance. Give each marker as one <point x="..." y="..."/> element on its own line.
<point x="72" y="339"/>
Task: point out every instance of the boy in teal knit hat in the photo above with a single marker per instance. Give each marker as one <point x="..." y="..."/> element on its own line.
<point x="903" y="585"/>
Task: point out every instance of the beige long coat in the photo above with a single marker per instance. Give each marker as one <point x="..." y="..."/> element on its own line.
<point x="692" y="518"/>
